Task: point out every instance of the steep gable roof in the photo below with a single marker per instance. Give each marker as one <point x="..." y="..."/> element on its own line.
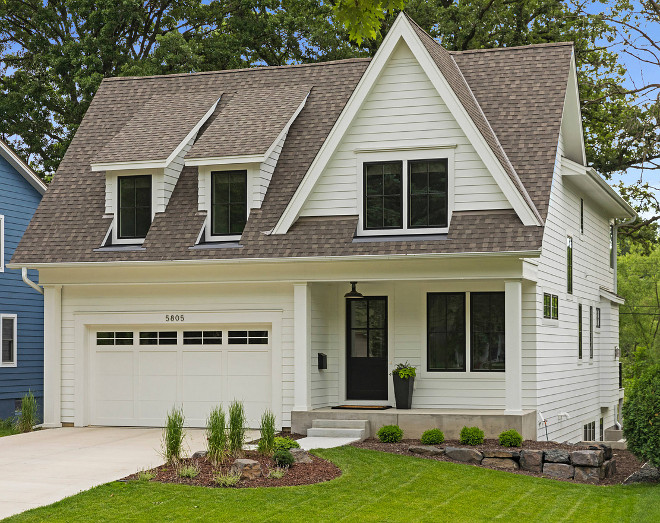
<point x="21" y="167"/>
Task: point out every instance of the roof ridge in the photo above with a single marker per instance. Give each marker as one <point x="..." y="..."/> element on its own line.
<point x="242" y="70"/>
<point x="514" y="47"/>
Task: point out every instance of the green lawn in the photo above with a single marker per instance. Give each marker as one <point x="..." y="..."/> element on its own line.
<point x="374" y="487"/>
<point x="4" y="431"/>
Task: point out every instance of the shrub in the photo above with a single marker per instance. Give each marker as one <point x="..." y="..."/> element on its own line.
<point x="267" y="439"/>
<point x="226" y="480"/>
<point x="472" y="436"/>
<point x="216" y="435"/>
<point x="404" y="370"/>
<point x="285" y="443"/>
<point x="28" y="417"/>
<point x="145" y="475"/>
<point x="390" y="434"/>
<point x="236" y="427"/>
<point x="641" y="416"/>
<point x="433" y="437"/>
<point x="173" y="435"/>
<point x="510" y="438"/>
<point x="277" y="473"/>
<point x="189" y="471"/>
<point x="283" y="458"/>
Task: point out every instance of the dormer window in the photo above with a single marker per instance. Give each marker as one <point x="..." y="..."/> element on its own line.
<point x="228" y="202"/>
<point x="134" y="207"/>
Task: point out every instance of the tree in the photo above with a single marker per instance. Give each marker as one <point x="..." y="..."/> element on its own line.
<point x="641" y="414"/>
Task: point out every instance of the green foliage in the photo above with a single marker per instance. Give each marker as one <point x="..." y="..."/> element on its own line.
<point x="277" y="473"/>
<point x="226" y="480"/>
<point x="8" y="427"/>
<point x="188" y="471"/>
<point x="362" y="18"/>
<point x="641" y="416"/>
<point x="432" y="437"/>
<point x="471" y="436"/>
<point x="510" y="438"/>
<point x="173" y="435"/>
<point x="285" y="443"/>
<point x="404" y="370"/>
<point x="390" y="434"/>
<point x="283" y="458"/>
<point x="237" y="427"/>
<point x="28" y="417"/>
<point x="146" y="475"/>
<point x="216" y="435"/>
<point x="267" y="439"/>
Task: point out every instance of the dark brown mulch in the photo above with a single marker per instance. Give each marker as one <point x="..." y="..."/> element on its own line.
<point x="626" y="463"/>
<point x="318" y="471"/>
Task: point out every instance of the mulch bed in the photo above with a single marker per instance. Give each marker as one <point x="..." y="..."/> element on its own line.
<point x="626" y="463"/>
<point x="318" y="471"/>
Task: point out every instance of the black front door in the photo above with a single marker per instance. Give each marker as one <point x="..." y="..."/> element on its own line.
<point x="366" y="343"/>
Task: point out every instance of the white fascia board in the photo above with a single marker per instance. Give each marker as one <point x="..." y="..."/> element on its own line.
<point x="572" y="107"/>
<point x="613" y="297"/>
<point x="160" y="163"/>
<point x="25" y="171"/>
<point x="401" y="30"/>
<point x="225" y="160"/>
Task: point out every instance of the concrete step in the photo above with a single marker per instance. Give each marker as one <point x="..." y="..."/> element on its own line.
<point x="340" y="424"/>
<point x="613" y="434"/>
<point x="327" y="432"/>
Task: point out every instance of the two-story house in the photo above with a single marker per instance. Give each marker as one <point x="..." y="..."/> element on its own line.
<point x="21" y="308"/>
<point x="201" y="235"/>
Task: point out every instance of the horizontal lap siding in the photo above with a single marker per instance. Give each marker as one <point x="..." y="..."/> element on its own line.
<point x="266" y="170"/>
<point x="326" y="338"/>
<point x="403" y="109"/>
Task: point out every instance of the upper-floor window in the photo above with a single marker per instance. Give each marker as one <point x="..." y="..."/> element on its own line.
<point x="133" y="206"/>
<point x="228" y="202"/>
<point x="8" y="340"/>
<point x="598" y="317"/>
<point x="580" y="331"/>
<point x="569" y="265"/>
<point x="591" y="332"/>
<point x="383" y="196"/>
<point x="427" y="193"/>
<point x="582" y="215"/>
<point x="612" y="248"/>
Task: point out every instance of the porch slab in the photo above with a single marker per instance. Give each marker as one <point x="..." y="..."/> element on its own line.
<point x="414" y="422"/>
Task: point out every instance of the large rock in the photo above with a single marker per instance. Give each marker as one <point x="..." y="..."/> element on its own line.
<point x="500" y="463"/>
<point x="199" y="454"/>
<point x="587" y="458"/>
<point x="426" y="450"/>
<point x="588" y="474"/>
<point x="558" y="470"/>
<point x="301" y="456"/>
<point x="463" y="454"/>
<point x="647" y="474"/>
<point x="247" y="468"/>
<point x="607" y="450"/>
<point x="609" y="468"/>
<point x="557" y="456"/>
<point x="531" y="460"/>
<point x="510" y="454"/>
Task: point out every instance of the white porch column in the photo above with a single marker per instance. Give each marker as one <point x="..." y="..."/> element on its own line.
<point x="52" y="355"/>
<point x="302" y="337"/>
<point x="513" y="340"/>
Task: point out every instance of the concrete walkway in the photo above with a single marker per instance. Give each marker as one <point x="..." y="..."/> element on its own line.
<point x="310" y="443"/>
<point x="45" y="466"/>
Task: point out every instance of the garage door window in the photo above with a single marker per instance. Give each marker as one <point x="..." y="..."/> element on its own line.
<point x="114" y="338"/>
<point x="202" y="337"/>
<point x="158" y="338"/>
<point x="248" y="337"/>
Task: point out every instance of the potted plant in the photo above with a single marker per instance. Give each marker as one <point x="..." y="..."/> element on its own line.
<point x="404" y="379"/>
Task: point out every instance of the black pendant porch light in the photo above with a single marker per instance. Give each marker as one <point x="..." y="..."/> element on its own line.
<point x="353" y="293"/>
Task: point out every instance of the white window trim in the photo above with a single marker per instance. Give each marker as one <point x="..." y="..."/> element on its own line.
<point x="2" y="243"/>
<point x="205" y="172"/>
<point x="404" y="156"/>
<point x="115" y="205"/>
<point x="15" y="318"/>
<point x="549" y="322"/>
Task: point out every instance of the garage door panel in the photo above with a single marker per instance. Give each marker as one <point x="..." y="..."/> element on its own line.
<point x="248" y="388"/>
<point x="115" y="409"/>
<point x="115" y="387"/>
<point x="156" y="411"/>
<point x="155" y="388"/>
<point x="207" y="387"/>
<point x="202" y="363"/>
<point x="248" y="363"/>
<point x="114" y="363"/>
<point x="158" y="363"/>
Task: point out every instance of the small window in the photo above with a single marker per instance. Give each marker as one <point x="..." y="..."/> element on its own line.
<point x="580" y="331"/>
<point x="247" y="337"/>
<point x="383" y="198"/>
<point x="569" y="265"/>
<point x="8" y="340"/>
<point x="114" y="338"/>
<point x="445" y="346"/>
<point x="612" y="249"/>
<point x="591" y="333"/>
<point x="550" y="306"/>
<point x="598" y="317"/>
<point x="581" y="216"/>
<point x="555" y="307"/>
<point x="228" y="202"/>
<point x="158" y="338"/>
<point x="590" y="431"/>
<point x="134" y="206"/>
<point x="602" y="429"/>
<point x="2" y="243"/>
<point x="487" y="331"/>
<point x="427" y="193"/>
<point x="202" y="338"/>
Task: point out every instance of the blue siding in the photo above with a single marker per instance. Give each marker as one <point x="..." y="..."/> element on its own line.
<point x="18" y="201"/>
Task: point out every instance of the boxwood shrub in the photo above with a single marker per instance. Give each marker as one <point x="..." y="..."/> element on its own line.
<point x="283" y="458"/>
<point x="641" y="416"/>
<point x="390" y="434"/>
<point x="510" y="438"/>
<point x="285" y="443"/>
<point x="472" y="436"/>
<point x="432" y="437"/>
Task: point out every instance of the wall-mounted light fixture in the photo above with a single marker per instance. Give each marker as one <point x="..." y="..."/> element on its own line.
<point x="353" y="293"/>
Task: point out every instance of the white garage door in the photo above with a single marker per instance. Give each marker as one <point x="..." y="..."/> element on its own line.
<point x="139" y="374"/>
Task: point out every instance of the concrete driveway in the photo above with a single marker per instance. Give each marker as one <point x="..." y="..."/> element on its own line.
<point x="45" y="466"/>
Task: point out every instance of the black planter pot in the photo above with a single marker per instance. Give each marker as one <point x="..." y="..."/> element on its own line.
<point x="403" y="391"/>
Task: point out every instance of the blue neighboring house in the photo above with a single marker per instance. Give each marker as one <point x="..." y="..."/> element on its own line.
<point x="21" y="307"/>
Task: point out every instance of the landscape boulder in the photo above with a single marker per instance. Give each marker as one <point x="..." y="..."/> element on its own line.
<point x="587" y="474"/>
<point x="587" y="458"/>
<point x="425" y="450"/>
<point x="607" y="450"/>
<point x="557" y="456"/>
<point x="558" y="470"/>
<point x="301" y="456"/>
<point x="510" y="454"/>
<point x="609" y="467"/>
<point x="531" y="460"/>
<point x="647" y="474"/>
<point x="463" y="454"/>
<point x="500" y="463"/>
<point x="199" y="454"/>
<point x="246" y="468"/>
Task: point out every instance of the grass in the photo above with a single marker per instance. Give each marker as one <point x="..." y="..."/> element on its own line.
<point x="374" y="487"/>
<point x="7" y="431"/>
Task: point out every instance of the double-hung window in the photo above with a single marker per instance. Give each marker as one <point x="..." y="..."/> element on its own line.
<point x="228" y="202"/>
<point x="487" y="331"/>
<point x="134" y="207"/>
<point x="550" y="306"/>
<point x="8" y="333"/>
<point x="445" y="331"/>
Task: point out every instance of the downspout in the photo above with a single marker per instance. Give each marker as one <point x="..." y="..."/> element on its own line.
<point x="28" y="281"/>
<point x="615" y="250"/>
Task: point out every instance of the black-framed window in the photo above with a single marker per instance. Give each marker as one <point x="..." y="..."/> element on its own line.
<point x="383" y="195"/>
<point x="114" y="338"/>
<point x="602" y="429"/>
<point x="487" y="341"/>
<point x="367" y="327"/>
<point x="134" y="206"/>
<point x="598" y="317"/>
<point x="569" y="265"/>
<point x="228" y="202"/>
<point x="591" y="332"/>
<point x="247" y="337"/>
<point x="445" y="328"/>
<point x="580" y="331"/>
<point x="8" y="340"/>
<point x="428" y="188"/>
<point x="590" y="431"/>
<point x="612" y="248"/>
<point x="202" y="337"/>
<point x="158" y="338"/>
<point x="550" y="306"/>
<point x="581" y="215"/>
<point x="555" y="307"/>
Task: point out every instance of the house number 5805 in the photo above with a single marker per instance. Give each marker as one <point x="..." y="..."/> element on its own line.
<point x="174" y="317"/>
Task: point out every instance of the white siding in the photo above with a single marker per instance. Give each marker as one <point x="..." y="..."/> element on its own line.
<point x="171" y="173"/>
<point x="326" y="338"/>
<point x="403" y="110"/>
<point x="266" y="169"/>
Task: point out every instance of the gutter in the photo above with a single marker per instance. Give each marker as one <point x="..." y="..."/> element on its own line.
<point x="28" y="281"/>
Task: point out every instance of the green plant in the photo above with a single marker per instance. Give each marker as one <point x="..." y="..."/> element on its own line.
<point x="283" y="458"/>
<point x="277" y="473"/>
<point x="267" y="439"/>
<point x="226" y="480"/>
<point x="432" y="437"/>
<point x="390" y="434"/>
<point x="285" y="443"/>
<point x="404" y="370"/>
<point x="236" y="427"/>
<point x="471" y="436"/>
<point x="28" y="417"/>
<point x="641" y="415"/>
<point x="188" y="471"/>
<point x="146" y="475"/>
<point x="511" y="438"/>
<point x="173" y="435"/>
<point x="216" y="435"/>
